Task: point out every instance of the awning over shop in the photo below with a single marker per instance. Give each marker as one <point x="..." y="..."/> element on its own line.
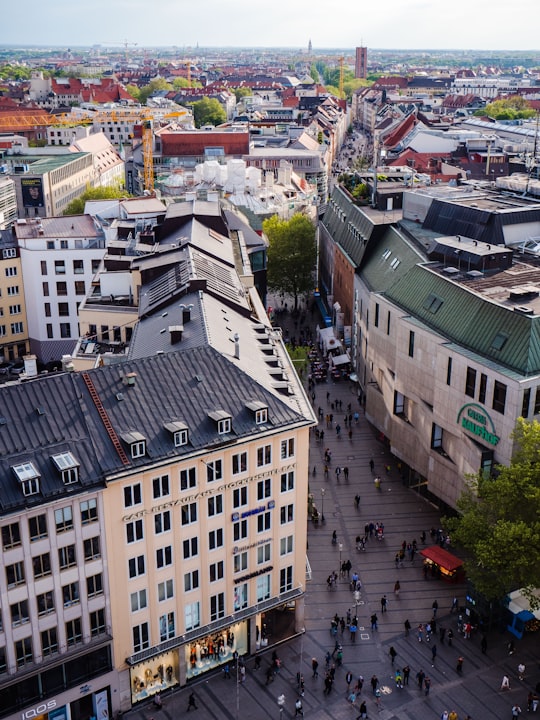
<point x="442" y="557"/>
<point x="328" y="341"/>
<point x="341" y="359"/>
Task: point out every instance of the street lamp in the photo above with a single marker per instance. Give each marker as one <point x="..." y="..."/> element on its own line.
<point x="340" y="550"/>
<point x="323" y="493"/>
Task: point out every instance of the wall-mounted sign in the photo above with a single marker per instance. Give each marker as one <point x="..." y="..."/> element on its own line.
<point x="475" y="419"/>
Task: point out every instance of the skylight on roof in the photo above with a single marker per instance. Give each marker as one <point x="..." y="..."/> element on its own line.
<point x="64" y="461"/>
<point x="499" y="341"/>
<point x="433" y="303"/>
<point x="386" y="254"/>
<point x="25" y="471"/>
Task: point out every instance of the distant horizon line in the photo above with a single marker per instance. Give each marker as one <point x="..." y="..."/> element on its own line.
<point x="137" y="46"/>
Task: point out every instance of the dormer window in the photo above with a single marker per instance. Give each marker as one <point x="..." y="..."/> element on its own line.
<point x="223" y="420"/>
<point x="260" y="411"/>
<point x="224" y="426"/>
<point x="28" y="476"/>
<point x="179" y="431"/>
<point x="136" y="442"/>
<point x="68" y="467"/>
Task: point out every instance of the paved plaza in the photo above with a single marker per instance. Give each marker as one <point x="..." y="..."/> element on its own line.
<point x="405" y="515"/>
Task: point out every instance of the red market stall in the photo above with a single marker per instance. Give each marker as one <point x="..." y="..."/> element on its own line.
<point x="441" y="563"/>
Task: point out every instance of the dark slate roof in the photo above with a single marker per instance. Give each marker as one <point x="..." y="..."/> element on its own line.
<point x="478" y="223"/>
<point x="392" y="257"/>
<point x="180" y="386"/>
<point x="41" y="418"/>
<point x="349" y="227"/>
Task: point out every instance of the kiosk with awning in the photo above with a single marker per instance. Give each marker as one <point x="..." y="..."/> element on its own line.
<point x="442" y="563"/>
<point x="523" y="617"/>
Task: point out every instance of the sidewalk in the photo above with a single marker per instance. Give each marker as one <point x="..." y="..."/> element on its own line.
<point x="404" y="515"/>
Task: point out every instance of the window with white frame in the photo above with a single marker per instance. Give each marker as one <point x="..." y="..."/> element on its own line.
<point x="138" y="600"/>
<point x="190" y="548"/>
<point x="191" y="580"/>
<point x="264" y="553"/>
<point x="263" y="587"/>
<point x="188" y="513"/>
<point x="141" y="637"/>
<point x="239" y="463"/>
<point x="239" y="497"/>
<point x="286" y="514"/>
<point x="240" y="530"/>
<point x="15" y="574"/>
<point x="286" y="545"/>
<point x="224" y="426"/>
<point x="192" y="615"/>
<point x="261" y="416"/>
<point x="264" y="489"/>
<point x="166" y="627"/>
<point x="287" y="481"/>
<point x="89" y="512"/>
<point x="264" y="455"/>
<point x="134" y="531"/>
<point x="162" y="522"/>
<point x="164" y="557"/>
<point x="287" y="448"/>
<point x="217" y="606"/>
<point x="136" y="566"/>
<point x="215" y="539"/>
<point x="285" y="579"/>
<point x="132" y="495"/>
<point x="165" y="590"/>
<point x="215" y="505"/>
<point x="92" y="548"/>
<point x="188" y="478"/>
<point x="138" y="449"/>
<point x="181" y="437"/>
<point x="264" y="522"/>
<point x="160" y="487"/>
<point x="94" y="585"/>
<point x="41" y="565"/>
<point x="67" y="557"/>
<point x="63" y="518"/>
<point x="28" y="476"/>
<point x="214" y="470"/>
<point x="240" y="597"/>
<point x="70" y="594"/>
<point x="217" y="571"/>
<point x="37" y="527"/>
<point x="240" y="562"/>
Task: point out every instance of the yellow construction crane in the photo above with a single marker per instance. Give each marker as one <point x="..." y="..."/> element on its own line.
<point x="147" y="147"/>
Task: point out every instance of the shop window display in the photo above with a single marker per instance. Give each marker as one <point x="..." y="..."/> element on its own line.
<point x="154" y="676"/>
<point x="215" y="649"/>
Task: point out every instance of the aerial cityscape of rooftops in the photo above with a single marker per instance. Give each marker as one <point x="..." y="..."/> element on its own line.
<point x="240" y="287"/>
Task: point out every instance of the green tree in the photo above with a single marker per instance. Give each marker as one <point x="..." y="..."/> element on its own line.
<point x="134" y="91"/>
<point x="109" y="192"/>
<point x="153" y="86"/>
<point x="208" y="111"/>
<point x="511" y="108"/>
<point x="292" y="253"/>
<point x="242" y="92"/>
<point x="499" y="521"/>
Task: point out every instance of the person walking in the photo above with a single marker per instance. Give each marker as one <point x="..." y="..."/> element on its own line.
<point x="420" y="677"/>
<point x="407" y="626"/>
<point x="397" y="588"/>
<point x="374" y="621"/>
<point x="450" y="636"/>
<point x="433" y="653"/>
<point x="299" y="710"/>
<point x="348" y="680"/>
<point x="315" y="667"/>
<point x="521" y="671"/>
<point x="444" y="715"/>
<point x="516" y="711"/>
<point x="483" y="645"/>
<point x="406" y="673"/>
<point x="383" y="604"/>
<point x="399" y="679"/>
<point x="453" y="715"/>
<point x="427" y="686"/>
<point x="435" y="607"/>
<point x="371" y="465"/>
<point x="505" y="684"/>
<point x="362" y="711"/>
<point x="191" y="702"/>
<point x="459" y="666"/>
<point x="346" y="472"/>
<point x="392" y="652"/>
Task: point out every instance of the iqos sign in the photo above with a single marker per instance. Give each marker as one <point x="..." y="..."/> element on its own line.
<point x="475" y="419"/>
<point x="39" y="710"/>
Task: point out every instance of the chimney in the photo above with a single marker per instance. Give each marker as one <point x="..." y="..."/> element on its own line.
<point x="237" y="346"/>
<point x="175" y="333"/>
<point x="130" y="378"/>
<point x="30" y="366"/>
<point x="67" y="363"/>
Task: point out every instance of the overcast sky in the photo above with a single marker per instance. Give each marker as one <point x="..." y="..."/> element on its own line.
<point x="460" y="24"/>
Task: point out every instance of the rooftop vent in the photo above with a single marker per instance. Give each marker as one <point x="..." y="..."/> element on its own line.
<point x="450" y="270"/>
<point x="175" y="333"/>
<point x="130" y="378"/>
<point x="524" y="310"/>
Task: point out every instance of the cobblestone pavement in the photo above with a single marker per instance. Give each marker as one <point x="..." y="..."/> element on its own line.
<point x="404" y="515"/>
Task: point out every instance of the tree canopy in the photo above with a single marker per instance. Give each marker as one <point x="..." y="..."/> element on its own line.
<point x="153" y="86"/>
<point x="499" y="522"/>
<point x="208" y="111"/>
<point x="292" y="254"/>
<point x="511" y="108"/>
<point x="109" y="192"/>
<point x="242" y="92"/>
